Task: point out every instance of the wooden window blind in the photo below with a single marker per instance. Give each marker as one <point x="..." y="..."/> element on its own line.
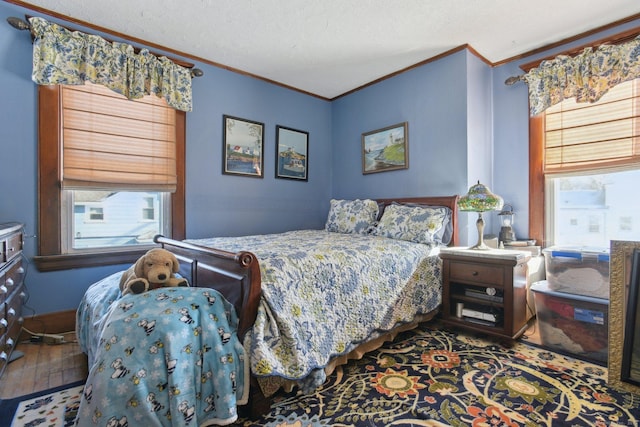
<point x="111" y="142"/>
<point x="599" y="136"/>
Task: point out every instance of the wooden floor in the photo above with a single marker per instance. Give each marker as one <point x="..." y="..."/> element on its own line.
<point x="43" y="366"/>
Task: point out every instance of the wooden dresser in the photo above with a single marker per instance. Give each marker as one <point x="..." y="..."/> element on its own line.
<point x="12" y="292"/>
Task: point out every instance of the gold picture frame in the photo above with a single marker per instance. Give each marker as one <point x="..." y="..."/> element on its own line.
<point x="620" y="278"/>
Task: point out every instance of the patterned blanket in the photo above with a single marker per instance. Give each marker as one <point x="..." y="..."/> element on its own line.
<point x="167" y="357"/>
<point x="324" y="293"/>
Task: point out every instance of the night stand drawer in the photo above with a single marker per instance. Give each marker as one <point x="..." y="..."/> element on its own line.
<point x="481" y="273"/>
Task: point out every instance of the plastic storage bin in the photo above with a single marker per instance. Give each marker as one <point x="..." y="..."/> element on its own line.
<point x="573" y="324"/>
<point x="580" y="271"/>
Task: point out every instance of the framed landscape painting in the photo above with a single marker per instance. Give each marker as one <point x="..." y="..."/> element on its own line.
<point x="292" y="153"/>
<point x="385" y="149"/>
<point x="243" y="147"/>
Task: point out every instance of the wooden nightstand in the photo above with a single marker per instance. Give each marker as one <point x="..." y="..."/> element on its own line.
<point x="486" y="290"/>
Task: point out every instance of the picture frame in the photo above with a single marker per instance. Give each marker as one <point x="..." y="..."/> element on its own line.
<point x="386" y="149"/>
<point x="243" y="147"/>
<point x="620" y="279"/>
<point x="292" y="153"/>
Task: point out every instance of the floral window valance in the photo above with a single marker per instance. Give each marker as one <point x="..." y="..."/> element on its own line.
<point x="68" y="57"/>
<point x="587" y="76"/>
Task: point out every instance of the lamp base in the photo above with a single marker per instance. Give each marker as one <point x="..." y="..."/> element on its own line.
<point x="480" y="246"/>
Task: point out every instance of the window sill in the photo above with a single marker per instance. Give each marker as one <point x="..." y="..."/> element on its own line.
<point x="94" y="259"/>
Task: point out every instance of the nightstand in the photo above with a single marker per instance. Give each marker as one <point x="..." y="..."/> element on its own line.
<point x="486" y="290"/>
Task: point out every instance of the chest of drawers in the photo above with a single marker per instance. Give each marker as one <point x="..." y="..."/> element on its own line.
<point x="12" y="292"/>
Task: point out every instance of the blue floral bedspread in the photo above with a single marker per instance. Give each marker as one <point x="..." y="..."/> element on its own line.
<point x="323" y="293"/>
<point x="168" y="357"/>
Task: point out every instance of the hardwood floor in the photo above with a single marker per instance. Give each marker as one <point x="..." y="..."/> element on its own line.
<point x="43" y="366"/>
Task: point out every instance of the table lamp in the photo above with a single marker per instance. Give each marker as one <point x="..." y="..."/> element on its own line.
<point x="480" y="199"/>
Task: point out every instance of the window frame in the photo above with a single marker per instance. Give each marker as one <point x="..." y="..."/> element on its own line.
<point x="537" y="187"/>
<point x="50" y="256"/>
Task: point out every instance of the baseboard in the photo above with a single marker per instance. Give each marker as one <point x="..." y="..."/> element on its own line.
<point x="50" y="323"/>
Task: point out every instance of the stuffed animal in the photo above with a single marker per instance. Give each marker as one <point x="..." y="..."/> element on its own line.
<point x="155" y="269"/>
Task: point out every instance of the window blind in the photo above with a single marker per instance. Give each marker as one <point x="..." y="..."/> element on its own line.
<point x="110" y="142"/>
<point x="602" y="135"/>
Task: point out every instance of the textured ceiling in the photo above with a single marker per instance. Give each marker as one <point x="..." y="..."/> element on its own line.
<point x="329" y="47"/>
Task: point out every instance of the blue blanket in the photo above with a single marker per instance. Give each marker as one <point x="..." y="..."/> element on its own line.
<point x="168" y="357"/>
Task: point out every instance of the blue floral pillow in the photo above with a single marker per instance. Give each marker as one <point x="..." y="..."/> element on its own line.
<point x="421" y="224"/>
<point x="352" y="216"/>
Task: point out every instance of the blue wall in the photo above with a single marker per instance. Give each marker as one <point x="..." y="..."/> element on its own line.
<point x="432" y="98"/>
<point x="464" y="125"/>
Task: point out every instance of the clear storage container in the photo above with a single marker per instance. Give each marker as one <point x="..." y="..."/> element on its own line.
<point x="574" y="324"/>
<point x="580" y="271"/>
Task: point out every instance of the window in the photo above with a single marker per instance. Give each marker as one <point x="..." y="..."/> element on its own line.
<point x="148" y="211"/>
<point x="95" y="214"/>
<point x="111" y="175"/>
<point x="588" y="163"/>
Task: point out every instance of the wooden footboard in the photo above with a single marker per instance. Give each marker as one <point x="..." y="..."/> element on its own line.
<point x="234" y="275"/>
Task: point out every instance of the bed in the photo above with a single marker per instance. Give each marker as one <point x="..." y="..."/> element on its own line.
<point x="294" y="306"/>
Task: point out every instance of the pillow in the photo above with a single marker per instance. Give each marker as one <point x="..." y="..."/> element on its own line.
<point x="415" y="223"/>
<point x="352" y="216"/>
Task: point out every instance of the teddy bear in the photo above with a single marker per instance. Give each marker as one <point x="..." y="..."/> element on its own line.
<point x="155" y="269"/>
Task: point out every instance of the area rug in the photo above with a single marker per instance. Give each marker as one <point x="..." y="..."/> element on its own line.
<point x="55" y="407"/>
<point x="429" y="377"/>
<point x="433" y="377"/>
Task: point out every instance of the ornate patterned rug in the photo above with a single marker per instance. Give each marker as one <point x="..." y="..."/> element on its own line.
<point x="428" y="377"/>
<point x="431" y="377"/>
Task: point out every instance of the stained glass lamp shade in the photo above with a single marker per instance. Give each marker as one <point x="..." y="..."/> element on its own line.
<point x="480" y="199"/>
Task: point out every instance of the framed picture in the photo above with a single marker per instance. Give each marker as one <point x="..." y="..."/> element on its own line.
<point x="631" y="347"/>
<point x="386" y="149"/>
<point x="243" y="147"/>
<point x="624" y="321"/>
<point x="292" y="153"/>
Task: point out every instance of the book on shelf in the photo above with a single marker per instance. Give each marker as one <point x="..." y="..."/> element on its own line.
<point x="534" y="250"/>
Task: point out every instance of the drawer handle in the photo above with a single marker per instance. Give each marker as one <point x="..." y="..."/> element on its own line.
<point x="10" y="344"/>
<point x="4" y="323"/>
<point x="3" y="356"/>
<point x="10" y="281"/>
<point x="21" y="270"/>
<point x="474" y="273"/>
<point x="11" y="312"/>
<point x="3" y="290"/>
